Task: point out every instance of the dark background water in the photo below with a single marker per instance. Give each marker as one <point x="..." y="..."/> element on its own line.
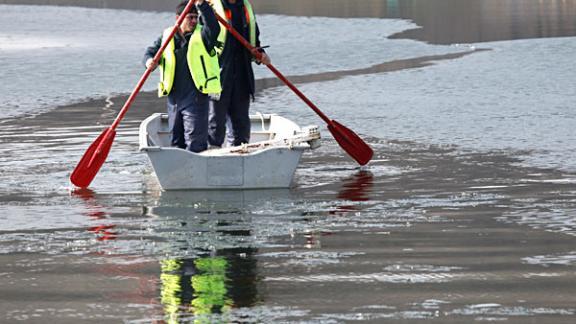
<point x="442" y="21"/>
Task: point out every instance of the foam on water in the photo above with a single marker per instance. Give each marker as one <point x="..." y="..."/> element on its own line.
<point x="568" y="259"/>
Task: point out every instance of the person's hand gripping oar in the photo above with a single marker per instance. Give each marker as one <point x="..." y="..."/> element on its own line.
<point x="346" y="138"/>
<point x="96" y="154"/>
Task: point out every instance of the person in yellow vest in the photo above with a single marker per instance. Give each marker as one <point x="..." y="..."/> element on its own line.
<point x="189" y="75"/>
<point x="237" y="75"/>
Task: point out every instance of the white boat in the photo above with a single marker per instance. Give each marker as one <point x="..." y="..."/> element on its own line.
<point x="268" y="161"/>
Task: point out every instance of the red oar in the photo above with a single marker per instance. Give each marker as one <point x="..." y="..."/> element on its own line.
<point x="348" y="140"/>
<point x="96" y="154"/>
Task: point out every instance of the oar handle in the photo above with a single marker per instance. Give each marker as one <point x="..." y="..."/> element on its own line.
<point x="151" y="68"/>
<point x="258" y="55"/>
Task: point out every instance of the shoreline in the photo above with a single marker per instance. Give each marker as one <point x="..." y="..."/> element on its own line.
<point x="442" y="22"/>
<point x="261" y="84"/>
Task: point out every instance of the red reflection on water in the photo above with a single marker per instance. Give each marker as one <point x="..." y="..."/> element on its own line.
<point x="104" y="232"/>
<point x="355" y="188"/>
<point x="139" y="279"/>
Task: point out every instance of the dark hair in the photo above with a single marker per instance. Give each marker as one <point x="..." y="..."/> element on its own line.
<point x="182" y="5"/>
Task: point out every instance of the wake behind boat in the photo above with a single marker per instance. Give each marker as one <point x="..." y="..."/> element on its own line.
<point x="268" y="161"/>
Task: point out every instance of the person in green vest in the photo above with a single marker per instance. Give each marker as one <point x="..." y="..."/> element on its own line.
<point x="189" y="75"/>
<point x="237" y="75"/>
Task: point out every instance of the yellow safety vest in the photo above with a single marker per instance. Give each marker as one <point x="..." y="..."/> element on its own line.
<point x="203" y="66"/>
<point x="250" y="18"/>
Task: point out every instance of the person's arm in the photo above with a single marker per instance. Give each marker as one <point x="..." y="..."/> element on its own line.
<point x="151" y="52"/>
<point x="265" y="58"/>
<point x="211" y="27"/>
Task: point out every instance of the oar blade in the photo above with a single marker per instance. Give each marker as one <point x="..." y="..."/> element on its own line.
<point x="93" y="159"/>
<point x="351" y="143"/>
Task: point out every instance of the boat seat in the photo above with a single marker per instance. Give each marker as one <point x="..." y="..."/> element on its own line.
<point x="256" y="136"/>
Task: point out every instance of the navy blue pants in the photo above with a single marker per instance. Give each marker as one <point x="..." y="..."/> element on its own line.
<point x="234" y="104"/>
<point x="188" y="125"/>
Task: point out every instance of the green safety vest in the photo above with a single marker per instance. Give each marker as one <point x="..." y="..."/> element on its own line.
<point x="250" y="17"/>
<point x="203" y="65"/>
<point x="209" y="285"/>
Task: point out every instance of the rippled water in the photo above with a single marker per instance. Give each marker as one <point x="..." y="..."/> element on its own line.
<point x="502" y="98"/>
<point x="451" y="222"/>
<point x="424" y="232"/>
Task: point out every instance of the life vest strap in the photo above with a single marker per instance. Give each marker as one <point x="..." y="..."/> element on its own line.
<point x="229" y="14"/>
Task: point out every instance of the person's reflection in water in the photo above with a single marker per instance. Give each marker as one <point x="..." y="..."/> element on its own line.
<point x="204" y="288"/>
<point x="208" y="287"/>
<point x="96" y="212"/>
<point x="193" y="286"/>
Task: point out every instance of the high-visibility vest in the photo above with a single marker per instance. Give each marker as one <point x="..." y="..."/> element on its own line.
<point x="209" y="285"/>
<point x="203" y="66"/>
<point x="227" y="14"/>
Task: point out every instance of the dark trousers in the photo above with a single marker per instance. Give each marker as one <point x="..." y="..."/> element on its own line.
<point x="234" y="104"/>
<point x="188" y="125"/>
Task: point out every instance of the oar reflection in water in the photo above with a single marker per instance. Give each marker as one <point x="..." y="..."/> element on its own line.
<point x="96" y="212"/>
<point x="356" y="188"/>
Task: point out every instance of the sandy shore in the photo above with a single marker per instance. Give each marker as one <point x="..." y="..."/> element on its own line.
<point x="442" y="21"/>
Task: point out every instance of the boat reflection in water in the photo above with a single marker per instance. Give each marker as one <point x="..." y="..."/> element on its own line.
<point x="191" y="253"/>
<point x="212" y="236"/>
<point x="192" y="256"/>
<point x="218" y="200"/>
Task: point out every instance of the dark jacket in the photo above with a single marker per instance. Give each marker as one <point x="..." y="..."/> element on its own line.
<point x="236" y="60"/>
<point x="183" y="83"/>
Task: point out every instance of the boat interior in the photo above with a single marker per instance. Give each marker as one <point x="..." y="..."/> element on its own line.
<point x="264" y="127"/>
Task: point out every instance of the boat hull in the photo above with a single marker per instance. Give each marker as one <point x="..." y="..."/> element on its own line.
<point x="177" y="169"/>
<point x="269" y="167"/>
